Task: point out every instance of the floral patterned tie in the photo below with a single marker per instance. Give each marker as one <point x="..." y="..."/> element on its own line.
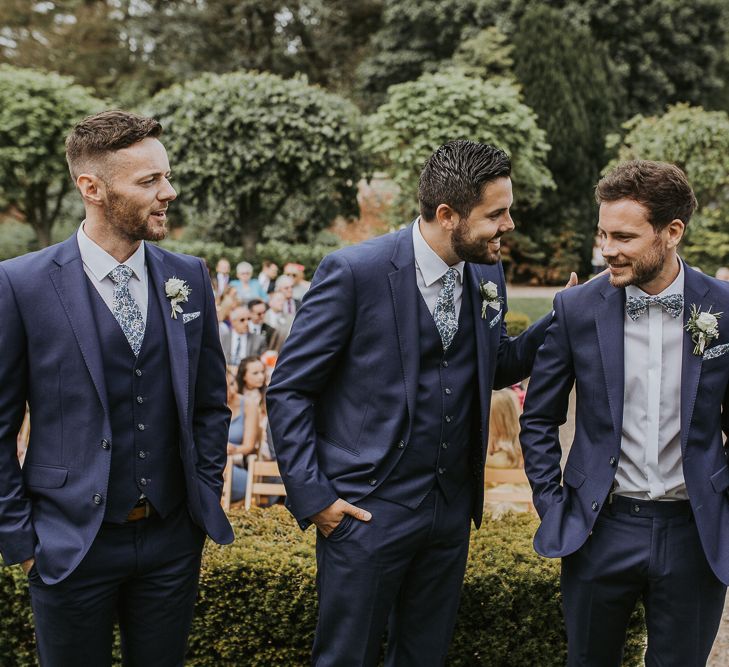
<point x="445" y="309"/>
<point x="125" y="309"/>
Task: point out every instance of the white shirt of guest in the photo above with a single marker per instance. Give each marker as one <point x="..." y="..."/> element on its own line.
<point x="98" y="264"/>
<point x="430" y="269"/>
<point x="650" y="465"/>
<point x="238" y="345"/>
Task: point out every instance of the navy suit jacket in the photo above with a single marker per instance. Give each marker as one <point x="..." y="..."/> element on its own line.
<point x="343" y="393"/>
<point x="50" y="357"/>
<point x="584" y="346"/>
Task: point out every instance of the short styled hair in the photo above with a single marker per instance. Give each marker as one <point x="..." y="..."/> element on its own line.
<point x="456" y="175"/>
<point x="660" y="187"/>
<point x="96" y="136"/>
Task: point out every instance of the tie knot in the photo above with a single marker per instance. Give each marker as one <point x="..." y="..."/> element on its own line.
<point x="121" y="274"/>
<point x="449" y="279"/>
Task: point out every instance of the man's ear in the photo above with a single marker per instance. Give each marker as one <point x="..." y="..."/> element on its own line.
<point x="92" y="189"/>
<point x="674" y="232"/>
<point x="446" y="217"/>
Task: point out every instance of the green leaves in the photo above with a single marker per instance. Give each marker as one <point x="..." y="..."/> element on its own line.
<point x="698" y="142"/>
<point x="421" y="115"/>
<point x="245" y="146"/>
<point x="37" y="111"/>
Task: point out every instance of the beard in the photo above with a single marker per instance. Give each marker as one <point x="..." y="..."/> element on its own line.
<point x="472" y="249"/>
<point x="645" y="268"/>
<point x="130" y="221"/>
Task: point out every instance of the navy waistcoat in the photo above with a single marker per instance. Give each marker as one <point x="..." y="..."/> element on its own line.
<point x="145" y="456"/>
<point x="439" y="448"/>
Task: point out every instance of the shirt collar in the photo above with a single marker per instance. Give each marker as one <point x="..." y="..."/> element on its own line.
<point x="676" y="287"/>
<point x="431" y="266"/>
<point x="100" y="262"/>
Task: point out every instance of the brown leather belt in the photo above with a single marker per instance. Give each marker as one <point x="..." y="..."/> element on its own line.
<point x="142" y="510"/>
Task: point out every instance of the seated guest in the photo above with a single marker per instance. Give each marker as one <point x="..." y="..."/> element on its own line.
<point x="221" y="279"/>
<point x="238" y="342"/>
<point x="503" y="450"/>
<point x="246" y="286"/>
<point x="257" y="325"/>
<point x="285" y="285"/>
<point x="267" y="276"/>
<point x="277" y="318"/>
<point x="296" y="273"/>
<point x="243" y="434"/>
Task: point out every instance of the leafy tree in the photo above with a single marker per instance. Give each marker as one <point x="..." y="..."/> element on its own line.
<point x="416" y="37"/>
<point x="37" y="110"/>
<point x="666" y="51"/>
<point x="249" y="150"/>
<point x="487" y="54"/>
<point x="84" y="39"/>
<point x="421" y="115"/>
<point x="698" y="142"/>
<point x="567" y="81"/>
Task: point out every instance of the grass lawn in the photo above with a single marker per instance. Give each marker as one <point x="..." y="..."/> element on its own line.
<point x="534" y="307"/>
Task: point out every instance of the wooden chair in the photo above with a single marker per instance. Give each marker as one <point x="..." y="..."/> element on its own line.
<point x="256" y="487"/>
<point x="227" y="484"/>
<point x="499" y="476"/>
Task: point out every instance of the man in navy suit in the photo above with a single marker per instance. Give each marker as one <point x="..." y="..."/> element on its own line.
<point x="379" y="409"/>
<point x="641" y="511"/>
<point x="113" y="343"/>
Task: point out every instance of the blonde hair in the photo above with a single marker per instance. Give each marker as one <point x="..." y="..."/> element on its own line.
<point x="504" y="427"/>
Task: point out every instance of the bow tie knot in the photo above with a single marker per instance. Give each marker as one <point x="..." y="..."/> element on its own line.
<point x="635" y="306"/>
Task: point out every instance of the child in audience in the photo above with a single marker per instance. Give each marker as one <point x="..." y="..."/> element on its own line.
<point x="504" y="451"/>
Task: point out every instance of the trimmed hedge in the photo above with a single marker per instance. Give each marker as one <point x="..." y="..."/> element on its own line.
<point x="257" y="602"/>
<point x="516" y="322"/>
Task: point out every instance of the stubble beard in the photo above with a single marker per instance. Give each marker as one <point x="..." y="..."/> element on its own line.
<point x="645" y="269"/>
<point x="470" y="249"/>
<point x="128" y="222"/>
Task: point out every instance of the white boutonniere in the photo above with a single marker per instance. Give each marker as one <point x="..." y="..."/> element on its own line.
<point x="177" y="292"/>
<point x="489" y="296"/>
<point x="703" y="327"/>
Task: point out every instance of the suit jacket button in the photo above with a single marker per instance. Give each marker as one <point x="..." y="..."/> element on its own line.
<point x="595" y="506"/>
<point x="105" y="444"/>
<point x="401" y="444"/>
<point x="138" y="372"/>
<point x="613" y="461"/>
<point x="98" y="499"/>
<point x="373" y="481"/>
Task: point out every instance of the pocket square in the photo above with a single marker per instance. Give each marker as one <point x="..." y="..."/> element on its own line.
<point x="496" y="320"/>
<point x="716" y="351"/>
<point x="189" y="317"/>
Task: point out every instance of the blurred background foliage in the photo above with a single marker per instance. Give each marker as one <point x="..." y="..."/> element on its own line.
<point x="276" y="110"/>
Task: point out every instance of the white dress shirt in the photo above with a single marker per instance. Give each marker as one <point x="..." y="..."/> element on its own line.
<point x="98" y="264"/>
<point x="650" y="465"/>
<point x="238" y="345"/>
<point x="430" y="269"/>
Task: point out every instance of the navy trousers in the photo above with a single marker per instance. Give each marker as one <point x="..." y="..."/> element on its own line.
<point x="402" y="570"/>
<point x="143" y="574"/>
<point x="645" y="551"/>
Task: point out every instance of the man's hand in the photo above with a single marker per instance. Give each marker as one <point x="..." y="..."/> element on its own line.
<point x="572" y="281"/>
<point x="328" y="519"/>
<point x="27" y="565"/>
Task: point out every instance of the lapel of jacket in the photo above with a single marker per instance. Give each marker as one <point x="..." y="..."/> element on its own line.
<point x="694" y="292"/>
<point x="610" y="323"/>
<point x="405" y="295"/>
<point x="473" y="276"/>
<point x="69" y="280"/>
<point x="159" y="274"/>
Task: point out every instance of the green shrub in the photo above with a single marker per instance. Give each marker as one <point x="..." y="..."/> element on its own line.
<point x="516" y="322"/>
<point x="16" y="239"/>
<point x="257" y="601"/>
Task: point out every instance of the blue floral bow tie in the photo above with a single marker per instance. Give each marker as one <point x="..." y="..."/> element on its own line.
<point x="635" y="306"/>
